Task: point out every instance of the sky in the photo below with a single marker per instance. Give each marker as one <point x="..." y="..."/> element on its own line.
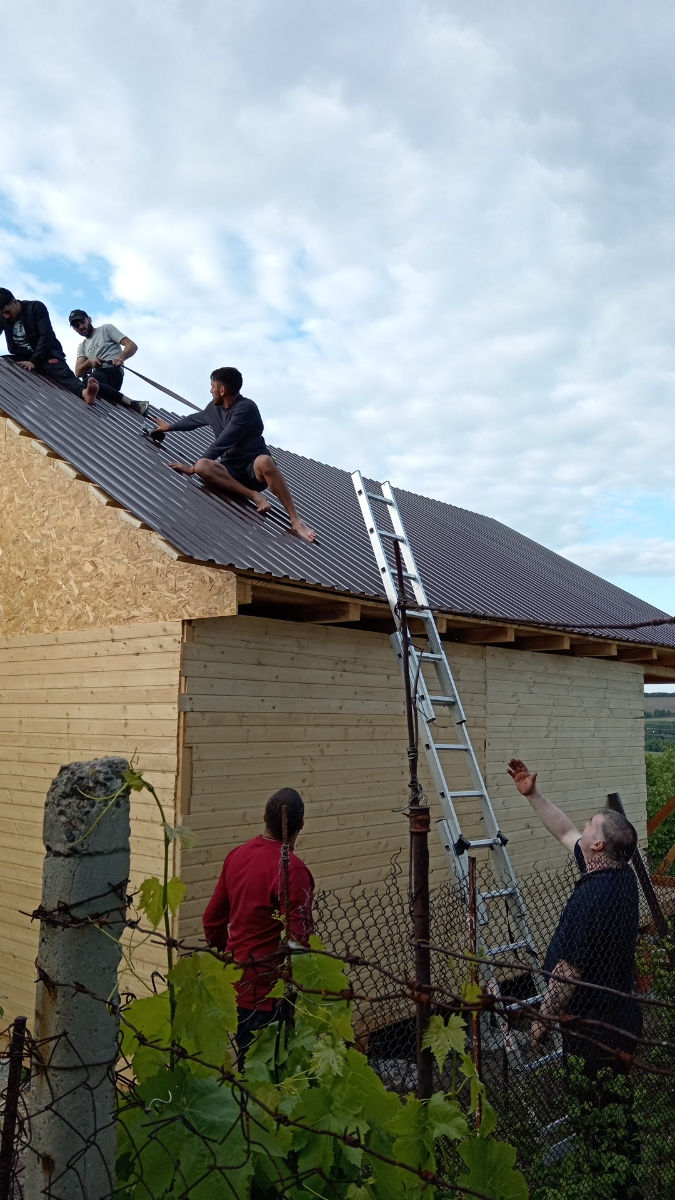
<point x="436" y="237"/>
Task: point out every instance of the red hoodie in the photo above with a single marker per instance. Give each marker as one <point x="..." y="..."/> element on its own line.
<point x="240" y="914"/>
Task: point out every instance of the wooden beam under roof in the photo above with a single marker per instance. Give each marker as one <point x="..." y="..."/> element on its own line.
<point x="543" y="641"/>
<point x="637" y="654"/>
<point x="488" y="635"/>
<point x="590" y="648"/>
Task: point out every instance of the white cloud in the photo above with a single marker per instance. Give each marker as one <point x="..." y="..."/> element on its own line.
<point x="434" y="237"/>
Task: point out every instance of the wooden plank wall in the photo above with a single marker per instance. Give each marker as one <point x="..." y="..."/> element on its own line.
<point x="66" y="697"/>
<point x="269" y="704"/>
<point x="580" y="723"/>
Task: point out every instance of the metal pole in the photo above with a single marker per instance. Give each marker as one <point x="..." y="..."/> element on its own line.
<point x="7" y="1154"/>
<point x="419" y="824"/>
<point x="476" y="1047"/>
<point x="615" y="802"/>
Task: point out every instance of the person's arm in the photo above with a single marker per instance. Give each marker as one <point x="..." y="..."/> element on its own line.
<point x="556" y="999"/>
<point x="245" y="424"/>
<point x="129" y="348"/>
<point x="44" y="347"/>
<point x="216" y="917"/>
<point x="553" y="818"/>
<point x="194" y="421"/>
<point x="85" y="364"/>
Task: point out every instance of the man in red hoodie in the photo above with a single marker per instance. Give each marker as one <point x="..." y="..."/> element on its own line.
<point x="243" y="914"/>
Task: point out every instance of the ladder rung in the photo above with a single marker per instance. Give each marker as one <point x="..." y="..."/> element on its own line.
<point x="430" y="654"/>
<point x="394" y="537"/>
<point x="498" y="893"/>
<point x="442" y="700"/>
<point x="461" y="796"/>
<point x="553" y="1125"/>
<point x="448" y="745"/>
<point x="518" y="1004"/>
<point x="542" y="1062"/>
<point x="507" y="947"/>
<point x="410" y="575"/>
<point x="382" y="499"/>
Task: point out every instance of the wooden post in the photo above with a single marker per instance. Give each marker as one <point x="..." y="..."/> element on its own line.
<point x="82" y="915"/>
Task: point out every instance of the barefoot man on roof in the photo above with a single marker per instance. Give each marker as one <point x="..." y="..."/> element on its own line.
<point x="238" y="460"/>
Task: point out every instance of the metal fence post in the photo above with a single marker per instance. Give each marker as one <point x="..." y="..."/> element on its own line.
<point x="7" y="1148"/>
<point x="83" y="909"/>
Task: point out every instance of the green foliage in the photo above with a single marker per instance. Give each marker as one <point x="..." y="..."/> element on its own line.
<point x="655" y="1094"/>
<point x="603" y="1150"/>
<point x="660" y="770"/>
<point x="310" y="1116"/>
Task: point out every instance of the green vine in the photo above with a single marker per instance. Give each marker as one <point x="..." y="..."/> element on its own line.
<point x="310" y="1117"/>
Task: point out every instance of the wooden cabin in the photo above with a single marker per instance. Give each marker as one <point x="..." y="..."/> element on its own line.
<point x="145" y="616"/>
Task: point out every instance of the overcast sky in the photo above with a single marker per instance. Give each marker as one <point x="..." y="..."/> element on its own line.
<point x="436" y="238"/>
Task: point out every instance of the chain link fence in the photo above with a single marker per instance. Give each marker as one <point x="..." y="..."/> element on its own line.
<point x="604" y="1135"/>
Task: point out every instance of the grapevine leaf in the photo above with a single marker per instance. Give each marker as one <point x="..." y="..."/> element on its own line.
<point x="488" y="1119"/>
<point x="361" y="1191"/>
<point x="206" y="1006"/>
<point x="147" y="1023"/>
<point x="328" y="1058"/>
<point x="472" y="993"/>
<point x="441" y="1038"/>
<point x="175" y="894"/>
<point x="151" y="900"/>
<point x="491" y="1170"/>
<point x="446" y="1118"/>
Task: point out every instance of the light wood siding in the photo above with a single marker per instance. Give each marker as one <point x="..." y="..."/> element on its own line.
<point x="580" y="723"/>
<point x="67" y="697"/>
<point x="269" y="704"/>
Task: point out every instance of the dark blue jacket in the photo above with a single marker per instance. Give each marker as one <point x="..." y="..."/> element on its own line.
<point x="238" y="430"/>
<point x="39" y="333"/>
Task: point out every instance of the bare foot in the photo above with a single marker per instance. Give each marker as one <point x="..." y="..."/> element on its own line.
<point x="302" y="531"/>
<point x="262" y="505"/>
<point x="182" y="468"/>
<point x="91" y="391"/>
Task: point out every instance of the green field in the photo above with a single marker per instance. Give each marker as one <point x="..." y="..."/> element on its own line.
<point x="659" y="720"/>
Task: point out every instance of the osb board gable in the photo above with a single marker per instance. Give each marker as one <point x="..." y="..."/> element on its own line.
<point x="68" y="561"/>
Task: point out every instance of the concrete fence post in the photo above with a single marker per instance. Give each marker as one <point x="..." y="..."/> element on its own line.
<point x="72" y="1093"/>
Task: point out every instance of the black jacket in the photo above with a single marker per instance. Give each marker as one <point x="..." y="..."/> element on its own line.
<point x="39" y="333"/>
<point x="238" y="430"/>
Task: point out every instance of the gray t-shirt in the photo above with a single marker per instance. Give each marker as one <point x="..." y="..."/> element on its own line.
<point x="104" y="343"/>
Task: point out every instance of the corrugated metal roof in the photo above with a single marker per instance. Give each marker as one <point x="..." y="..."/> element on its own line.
<point x="470" y="564"/>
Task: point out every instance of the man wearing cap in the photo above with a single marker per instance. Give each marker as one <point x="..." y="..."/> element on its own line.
<point x="34" y="346"/>
<point x="102" y="352"/>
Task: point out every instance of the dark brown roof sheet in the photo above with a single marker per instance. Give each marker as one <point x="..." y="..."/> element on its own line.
<point x="470" y="564"/>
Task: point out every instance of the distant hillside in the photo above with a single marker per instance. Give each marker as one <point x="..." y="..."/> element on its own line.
<point x="659" y="720"/>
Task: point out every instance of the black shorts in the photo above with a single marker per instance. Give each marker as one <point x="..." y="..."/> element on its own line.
<point x="244" y="473"/>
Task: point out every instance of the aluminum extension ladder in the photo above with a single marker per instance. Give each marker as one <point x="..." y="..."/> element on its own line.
<point x="429" y="706"/>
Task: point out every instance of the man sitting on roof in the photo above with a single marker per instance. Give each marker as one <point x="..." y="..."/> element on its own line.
<point x="35" y="347"/>
<point x="102" y="352"/>
<point x="238" y="460"/>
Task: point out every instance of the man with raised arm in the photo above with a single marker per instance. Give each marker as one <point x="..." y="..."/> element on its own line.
<point x="246" y="912"/>
<point x="238" y="460"/>
<point x="35" y="347"/>
<point x="596" y="936"/>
